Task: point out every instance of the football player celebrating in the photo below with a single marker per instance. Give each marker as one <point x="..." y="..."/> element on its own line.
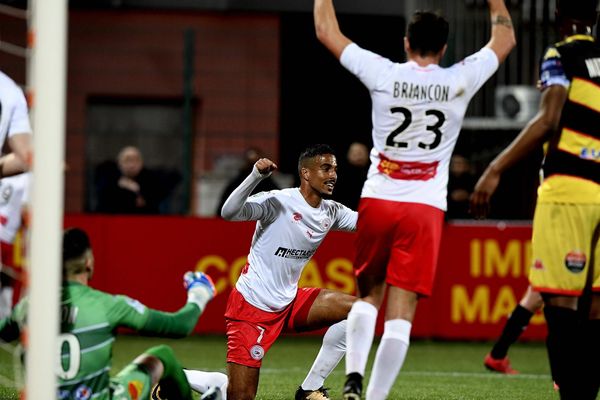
<point x="418" y="108"/>
<point x="291" y="224"/>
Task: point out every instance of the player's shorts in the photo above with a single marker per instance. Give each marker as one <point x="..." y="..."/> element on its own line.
<point x="132" y="383"/>
<point x="7" y="254"/>
<point x="252" y="331"/>
<point x="399" y="242"/>
<point x="563" y="236"/>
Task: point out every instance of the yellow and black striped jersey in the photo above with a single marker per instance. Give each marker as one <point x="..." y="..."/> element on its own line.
<point x="575" y="151"/>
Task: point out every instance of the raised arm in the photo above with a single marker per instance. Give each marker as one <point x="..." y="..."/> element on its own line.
<point x="503" y="34"/>
<point x="533" y="135"/>
<point x="200" y="289"/>
<point x="327" y="28"/>
<point x="235" y="207"/>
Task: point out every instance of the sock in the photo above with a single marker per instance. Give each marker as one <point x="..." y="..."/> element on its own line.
<point x="359" y="336"/>
<point x="389" y="359"/>
<point x="514" y="327"/>
<point x="201" y="381"/>
<point x="332" y="351"/>
<point x="173" y="381"/>
<point x="591" y="350"/>
<point x="562" y="343"/>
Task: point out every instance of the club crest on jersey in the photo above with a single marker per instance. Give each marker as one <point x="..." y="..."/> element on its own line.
<point x="297" y="217"/>
<point x="325" y="223"/>
<point x="83" y="392"/>
<point x="575" y="261"/>
<point x="135" y="389"/>
<point x="257" y="352"/>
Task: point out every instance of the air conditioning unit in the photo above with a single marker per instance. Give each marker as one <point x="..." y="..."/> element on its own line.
<point x="517" y="102"/>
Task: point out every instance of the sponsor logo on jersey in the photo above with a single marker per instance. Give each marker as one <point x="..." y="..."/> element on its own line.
<point x="590" y="154"/>
<point x="293" y="253"/>
<point x="575" y="261"/>
<point x="297" y="217"/>
<point x="135" y="389"/>
<point x="537" y="264"/>
<point x="257" y="352"/>
<point x="83" y="392"/>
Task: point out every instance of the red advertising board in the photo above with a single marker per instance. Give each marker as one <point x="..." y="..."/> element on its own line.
<point x="481" y="273"/>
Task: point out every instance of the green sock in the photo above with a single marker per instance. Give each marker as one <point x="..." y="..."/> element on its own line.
<point x="173" y="383"/>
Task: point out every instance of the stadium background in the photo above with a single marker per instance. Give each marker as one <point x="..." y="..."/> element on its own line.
<point x="194" y="85"/>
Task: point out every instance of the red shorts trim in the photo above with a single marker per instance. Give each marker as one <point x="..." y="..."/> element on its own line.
<point x="251" y="331"/>
<point x="399" y="242"/>
<point x="559" y="291"/>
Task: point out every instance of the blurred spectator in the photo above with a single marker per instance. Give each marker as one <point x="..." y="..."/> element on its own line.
<point x="14" y="195"/>
<point x="354" y="172"/>
<point x="461" y="182"/>
<point x="251" y="156"/>
<point x="128" y="187"/>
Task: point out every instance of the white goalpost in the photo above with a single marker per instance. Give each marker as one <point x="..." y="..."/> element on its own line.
<point x="47" y="83"/>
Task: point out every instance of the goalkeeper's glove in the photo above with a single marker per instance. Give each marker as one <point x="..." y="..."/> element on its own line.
<point x="200" y="288"/>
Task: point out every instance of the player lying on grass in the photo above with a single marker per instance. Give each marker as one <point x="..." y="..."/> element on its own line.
<point x="89" y="320"/>
<point x="291" y="224"/>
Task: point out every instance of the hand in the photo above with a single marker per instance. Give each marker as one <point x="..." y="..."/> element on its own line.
<point x="129" y="184"/>
<point x="265" y="166"/>
<point x="484" y="189"/>
<point x="200" y="288"/>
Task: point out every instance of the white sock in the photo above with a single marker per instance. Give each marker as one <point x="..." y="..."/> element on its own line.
<point x="359" y="336"/>
<point x="332" y="351"/>
<point x="389" y="359"/>
<point x="201" y="381"/>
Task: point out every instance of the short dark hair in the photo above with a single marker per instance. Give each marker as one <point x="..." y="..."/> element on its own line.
<point x="313" y="151"/>
<point x="427" y="32"/>
<point x="581" y="10"/>
<point x="75" y="243"/>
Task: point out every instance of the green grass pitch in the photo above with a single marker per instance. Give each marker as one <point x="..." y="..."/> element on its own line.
<point x="432" y="370"/>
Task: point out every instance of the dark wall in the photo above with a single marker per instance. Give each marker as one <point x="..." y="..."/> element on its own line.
<point x="321" y="102"/>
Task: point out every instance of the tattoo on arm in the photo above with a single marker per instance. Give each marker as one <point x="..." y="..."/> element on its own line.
<point x="502" y="20"/>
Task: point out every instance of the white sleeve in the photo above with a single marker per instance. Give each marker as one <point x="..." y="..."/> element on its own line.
<point x="19" y="121"/>
<point x="366" y="65"/>
<point x="238" y="207"/>
<point x="477" y="69"/>
<point x="345" y="218"/>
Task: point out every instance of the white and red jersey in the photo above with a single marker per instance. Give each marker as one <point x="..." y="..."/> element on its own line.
<point x="288" y="232"/>
<point x="417" y="115"/>
<point x="14" y="193"/>
<point x="14" y="117"/>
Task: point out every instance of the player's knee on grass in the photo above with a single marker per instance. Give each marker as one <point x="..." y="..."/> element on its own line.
<point x="243" y="382"/>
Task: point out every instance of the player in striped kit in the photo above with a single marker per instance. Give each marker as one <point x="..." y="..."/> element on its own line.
<point x="566" y="223"/>
<point x="417" y="112"/>
<point x="89" y="319"/>
<point x="290" y="225"/>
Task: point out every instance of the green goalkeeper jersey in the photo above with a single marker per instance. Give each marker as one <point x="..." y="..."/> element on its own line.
<point x="89" y="319"/>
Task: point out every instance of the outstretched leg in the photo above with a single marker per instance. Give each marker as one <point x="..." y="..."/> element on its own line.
<point x="497" y="360"/>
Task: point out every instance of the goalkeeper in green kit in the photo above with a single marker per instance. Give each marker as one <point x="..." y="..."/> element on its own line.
<point x="89" y="319"/>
